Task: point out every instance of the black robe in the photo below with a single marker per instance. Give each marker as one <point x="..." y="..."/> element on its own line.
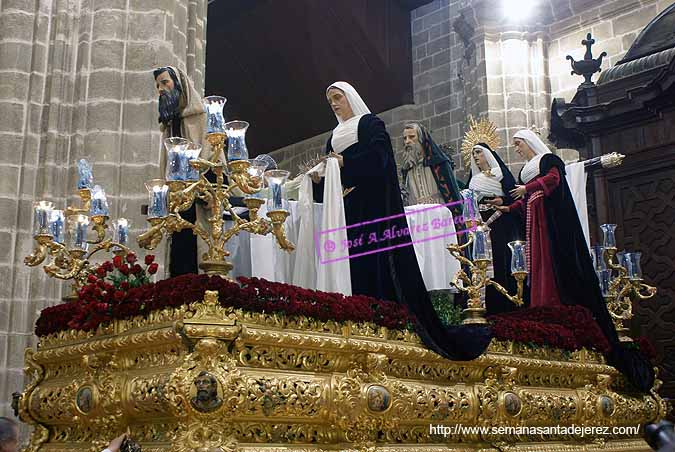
<point x="575" y="275"/>
<point x="369" y="166"/>
<point x="505" y="229"/>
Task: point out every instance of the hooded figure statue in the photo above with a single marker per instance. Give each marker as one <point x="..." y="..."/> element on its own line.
<point x="181" y="114"/>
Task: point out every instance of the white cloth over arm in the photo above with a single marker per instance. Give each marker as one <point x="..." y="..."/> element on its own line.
<point x="308" y="271"/>
<point x="576" y="178"/>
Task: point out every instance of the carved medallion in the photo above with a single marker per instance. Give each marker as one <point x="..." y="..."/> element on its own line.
<point x="205" y="396"/>
<point x="379" y="399"/>
<point x="512" y="404"/>
<point x="84" y="399"/>
<point x="606" y="405"/>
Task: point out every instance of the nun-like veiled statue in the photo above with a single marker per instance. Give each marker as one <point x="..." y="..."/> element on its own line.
<point x="363" y="148"/>
<point x="491" y="177"/>
<point x="560" y="268"/>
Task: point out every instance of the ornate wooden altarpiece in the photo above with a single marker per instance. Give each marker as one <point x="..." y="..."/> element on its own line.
<point x="631" y="110"/>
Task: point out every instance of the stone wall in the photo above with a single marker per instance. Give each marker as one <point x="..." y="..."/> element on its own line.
<point x="75" y="82"/>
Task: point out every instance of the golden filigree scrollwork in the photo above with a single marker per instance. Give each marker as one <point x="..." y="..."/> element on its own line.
<point x="481" y="131"/>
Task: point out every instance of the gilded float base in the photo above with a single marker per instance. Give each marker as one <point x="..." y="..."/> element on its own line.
<point x="204" y="377"/>
<point x="216" y="268"/>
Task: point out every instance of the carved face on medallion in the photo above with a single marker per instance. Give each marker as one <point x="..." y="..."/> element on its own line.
<point x="378" y="398"/>
<point x="84" y="399"/>
<point x="512" y="404"/>
<point x="606" y="405"/>
<point x="206" y="398"/>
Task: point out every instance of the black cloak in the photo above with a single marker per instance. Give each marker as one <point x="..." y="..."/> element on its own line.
<point x="370" y="167"/>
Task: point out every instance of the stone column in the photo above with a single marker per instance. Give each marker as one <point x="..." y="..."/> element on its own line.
<point x="75" y="82"/>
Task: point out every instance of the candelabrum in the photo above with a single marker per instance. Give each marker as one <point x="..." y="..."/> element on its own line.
<point x="187" y="182"/>
<point x="621" y="281"/>
<point x="478" y="265"/>
<point x="62" y="235"/>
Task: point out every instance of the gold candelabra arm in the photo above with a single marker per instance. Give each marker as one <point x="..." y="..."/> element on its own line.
<point x="217" y="142"/>
<point x="240" y="178"/>
<point x="43" y="244"/>
<point x="609" y="254"/>
<point x="68" y="268"/>
<point x="278" y="218"/>
<point x="639" y="287"/>
<point x="464" y="278"/>
<point x="260" y="226"/>
<point x="151" y="238"/>
<point x="99" y="225"/>
<point x="107" y="245"/>
<point x="515" y="299"/>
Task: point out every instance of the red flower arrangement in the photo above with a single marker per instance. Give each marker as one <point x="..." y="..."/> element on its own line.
<point x="101" y="301"/>
<point x="566" y="327"/>
<point x="108" y="285"/>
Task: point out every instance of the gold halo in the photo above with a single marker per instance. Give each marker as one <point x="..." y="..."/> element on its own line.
<point x="481" y="131"/>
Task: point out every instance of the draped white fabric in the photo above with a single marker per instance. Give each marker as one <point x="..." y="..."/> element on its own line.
<point x="308" y="271"/>
<point x="576" y="178"/>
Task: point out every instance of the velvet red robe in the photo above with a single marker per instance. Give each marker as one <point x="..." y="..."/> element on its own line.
<point x="543" y="287"/>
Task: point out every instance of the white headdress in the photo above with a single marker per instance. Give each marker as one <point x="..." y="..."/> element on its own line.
<point x="346" y="132"/>
<point x="531" y="168"/>
<point x="482" y="182"/>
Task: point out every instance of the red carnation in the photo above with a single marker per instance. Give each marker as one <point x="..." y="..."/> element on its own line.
<point x="124" y="285"/>
<point x="124" y="269"/>
<point x="92" y="279"/>
<point x="117" y="261"/>
<point x="108" y="266"/>
<point x="152" y="269"/>
<point x="101" y="271"/>
<point x="136" y="269"/>
<point x="149" y="259"/>
<point x="131" y="258"/>
<point x="119" y="295"/>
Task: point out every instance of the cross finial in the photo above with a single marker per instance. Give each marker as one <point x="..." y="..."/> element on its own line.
<point x="588" y="42"/>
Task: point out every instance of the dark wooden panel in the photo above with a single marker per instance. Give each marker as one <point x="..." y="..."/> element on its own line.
<point x="273" y="61"/>
<point x="642" y="203"/>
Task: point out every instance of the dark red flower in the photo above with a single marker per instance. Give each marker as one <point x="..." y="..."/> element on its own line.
<point x="108" y="266"/>
<point x="149" y="259"/>
<point x="124" y="269"/>
<point x="136" y="269"/>
<point x="101" y="271"/>
<point x="124" y="285"/>
<point x="117" y="261"/>
<point x="92" y="279"/>
<point x="152" y="268"/>
<point x="131" y="258"/>
<point x="119" y="295"/>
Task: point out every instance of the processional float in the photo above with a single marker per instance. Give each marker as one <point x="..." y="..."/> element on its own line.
<point x="208" y="376"/>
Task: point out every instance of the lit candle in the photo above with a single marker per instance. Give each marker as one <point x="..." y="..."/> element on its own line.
<point x="99" y="202"/>
<point x="236" y="140"/>
<point x="41" y="212"/>
<point x="86" y="177"/>
<point x="214" y="109"/>
<point x="609" y="237"/>
<point x="480" y="243"/>
<point x="518" y="259"/>
<point x="121" y="228"/>
<point x="56" y="225"/>
<point x="275" y="180"/>
<point x="192" y="152"/>
<point x="77" y="229"/>
<point x="157" y="192"/>
<point x="176" y="159"/>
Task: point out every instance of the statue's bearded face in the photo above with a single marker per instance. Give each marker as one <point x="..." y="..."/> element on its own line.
<point x="169" y="97"/>
<point x="413" y="148"/>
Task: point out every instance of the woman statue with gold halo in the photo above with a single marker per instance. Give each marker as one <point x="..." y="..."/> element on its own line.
<point x="493" y="182"/>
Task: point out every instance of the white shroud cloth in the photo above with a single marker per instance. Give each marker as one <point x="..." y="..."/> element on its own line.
<point x="576" y="178"/>
<point x="309" y="272"/>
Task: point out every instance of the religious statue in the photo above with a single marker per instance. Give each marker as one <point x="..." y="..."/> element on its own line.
<point x="427" y="171"/>
<point x="206" y="399"/>
<point x="181" y="114"/>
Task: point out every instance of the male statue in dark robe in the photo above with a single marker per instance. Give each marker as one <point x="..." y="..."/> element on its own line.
<point x="427" y="171"/>
<point x="181" y="114"/>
